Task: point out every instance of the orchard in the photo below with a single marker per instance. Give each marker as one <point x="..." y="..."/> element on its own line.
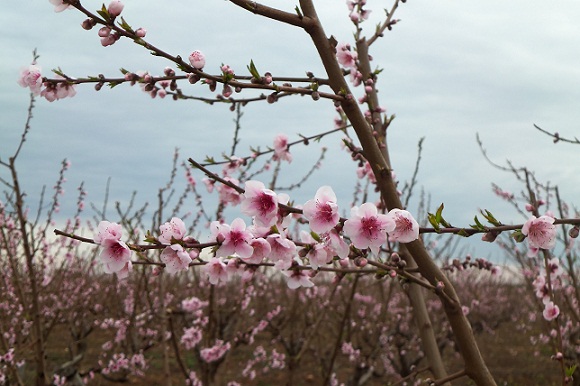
<point x="297" y="259"/>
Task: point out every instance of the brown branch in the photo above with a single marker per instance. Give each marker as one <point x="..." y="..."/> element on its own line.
<point x="270" y="13"/>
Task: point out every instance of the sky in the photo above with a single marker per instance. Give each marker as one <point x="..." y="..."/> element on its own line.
<point x="451" y="70"/>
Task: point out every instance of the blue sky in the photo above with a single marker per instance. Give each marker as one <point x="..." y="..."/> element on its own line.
<point x="451" y="70"/>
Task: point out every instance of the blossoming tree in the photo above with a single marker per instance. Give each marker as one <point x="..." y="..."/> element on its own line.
<point x="381" y="238"/>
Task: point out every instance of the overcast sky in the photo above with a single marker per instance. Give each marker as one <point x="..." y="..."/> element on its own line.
<point x="451" y="70"/>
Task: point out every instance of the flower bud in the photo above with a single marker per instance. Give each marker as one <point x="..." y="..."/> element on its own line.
<point x="87" y="24"/>
<point x="104" y="32"/>
<point x="197" y="60"/>
<point x="315" y="95"/>
<point x="141" y="32"/>
<point x="272" y="98"/>
<point x="490" y="236"/>
<point x="115" y="8"/>
<point x="193" y="78"/>
<point x="573" y="233"/>
<point x="360" y="262"/>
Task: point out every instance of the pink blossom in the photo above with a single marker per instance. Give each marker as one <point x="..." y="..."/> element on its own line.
<point x="368" y="229"/>
<point x="54" y="92"/>
<point x="335" y="244"/>
<point x="281" y="151"/>
<point x="283" y="250"/>
<point x="260" y="203"/>
<point x="541" y="232"/>
<point x="406" y="227"/>
<point x="214" y="353"/>
<point x="297" y="278"/>
<point x="115" y="254"/>
<point x="209" y="184"/>
<point x="191" y="337"/>
<point x="31" y="77"/>
<point x="554" y="268"/>
<point x="193" y="304"/>
<point x="345" y="56"/>
<point x="541" y="288"/>
<point x="124" y="272"/>
<point x="551" y="311"/>
<point x="197" y="60"/>
<point x="59" y="5"/>
<point x="236" y="240"/>
<point x="261" y="250"/>
<point x="227" y="194"/>
<point x="215" y="269"/>
<point x="115" y="8"/>
<point x="175" y="258"/>
<point x="316" y="252"/>
<point x="174" y="229"/>
<point x="322" y="212"/>
<point x="108" y="230"/>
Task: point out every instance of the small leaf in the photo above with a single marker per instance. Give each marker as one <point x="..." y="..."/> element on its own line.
<point x="463" y="232"/>
<point x="570" y="370"/>
<point x="149" y="238"/>
<point x="104" y="13"/>
<point x="433" y="220"/>
<point x="478" y="225"/>
<point x="123" y="24"/>
<point x="298" y="12"/>
<point x="254" y="71"/>
<point x="439" y="212"/>
<point x="489" y="217"/>
<point x="518" y="236"/>
<point x="315" y="236"/>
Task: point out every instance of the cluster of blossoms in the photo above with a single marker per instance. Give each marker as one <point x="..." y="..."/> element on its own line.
<point x="238" y="248"/>
<point x="357" y="13"/>
<point x="544" y="291"/>
<point x="31" y="77"/>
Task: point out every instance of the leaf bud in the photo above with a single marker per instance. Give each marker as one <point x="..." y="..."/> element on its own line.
<point x="87" y="24"/>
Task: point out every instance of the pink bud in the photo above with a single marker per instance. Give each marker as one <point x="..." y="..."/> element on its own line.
<point x="115" y="8"/>
<point x="197" y="59"/>
<point x="104" y="32"/>
<point x="107" y="40"/>
<point x="141" y="32"/>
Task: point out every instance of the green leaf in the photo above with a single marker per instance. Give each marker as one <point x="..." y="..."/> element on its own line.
<point x="433" y="220"/>
<point x="253" y="70"/>
<point x="439" y="212"/>
<point x="315" y="236"/>
<point x="209" y="160"/>
<point x="478" y="225"/>
<point x="104" y="13"/>
<point x="439" y="216"/>
<point x="298" y="12"/>
<point x="518" y="236"/>
<point x="149" y="238"/>
<point x="489" y="217"/>
<point x="570" y="370"/>
<point x="463" y="232"/>
<point x="58" y="71"/>
<point x="123" y="24"/>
